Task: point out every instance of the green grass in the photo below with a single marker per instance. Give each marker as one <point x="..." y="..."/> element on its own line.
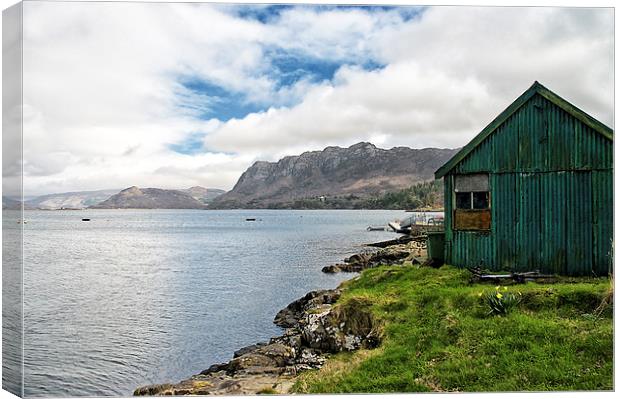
<point x="438" y="336"/>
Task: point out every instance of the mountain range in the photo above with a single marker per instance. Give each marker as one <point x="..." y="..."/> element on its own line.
<point x="360" y="171"/>
<point x="335" y="177"/>
<point x="157" y="198"/>
<point x="191" y="198"/>
<point x="71" y="200"/>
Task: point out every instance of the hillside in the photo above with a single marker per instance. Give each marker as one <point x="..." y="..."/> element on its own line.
<point x="361" y="171"/>
<point x="150" y="198"/>
<point x="202" y="194"/>
<point x="11" y="204"/>
<point x="421" y="195"/>
<point x="70" y="200"/>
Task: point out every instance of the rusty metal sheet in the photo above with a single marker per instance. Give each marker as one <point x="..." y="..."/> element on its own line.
<point x="472" y="219"/>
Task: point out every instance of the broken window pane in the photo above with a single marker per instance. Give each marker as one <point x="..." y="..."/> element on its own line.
<point x="481" y="200"/>
<point x="463" y="200"/>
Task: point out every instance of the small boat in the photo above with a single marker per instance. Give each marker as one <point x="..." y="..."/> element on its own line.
<point x="375" y="228"/>
<point x="85" y="220"/>
<point x="418" y="223"/>
<point x="399" y="228"/>
<point x="250" y="219"/>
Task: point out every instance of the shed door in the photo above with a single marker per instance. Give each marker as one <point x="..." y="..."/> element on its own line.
<point x="504" y="220"/>
<point x="579" y="223"/>
<point x="529" y="231"/>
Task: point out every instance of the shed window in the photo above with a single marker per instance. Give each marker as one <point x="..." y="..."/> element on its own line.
<point x="472" y="191"/>
<point x="472" y="202"/>
<point x="463" y="200"/>
<point x="480" y="200"/>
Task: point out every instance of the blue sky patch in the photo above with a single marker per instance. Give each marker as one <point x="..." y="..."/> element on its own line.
<point x="261" y="13"/>
<point x="223" y="104"/>
<point x="288" y="68"/>
<point x="372" y="65"/>
<point x="406" y="12"/>
<point x="409" y="13"/>
<point x="284" y="67"/>
<point x="269" y="13"/>
<point x="191" y="145"/>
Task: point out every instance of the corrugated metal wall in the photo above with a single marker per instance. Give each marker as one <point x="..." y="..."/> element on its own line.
<point x="551" y="182"/>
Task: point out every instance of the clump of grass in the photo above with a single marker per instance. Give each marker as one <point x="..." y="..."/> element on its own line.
<point x="608" y="299"/>
<point x="437" y="336"/>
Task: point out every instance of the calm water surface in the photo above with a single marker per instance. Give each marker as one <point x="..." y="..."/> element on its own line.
<point x="136" y="297"/>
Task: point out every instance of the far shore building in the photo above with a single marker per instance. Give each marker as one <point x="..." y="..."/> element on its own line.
<point x="532" y="191"/>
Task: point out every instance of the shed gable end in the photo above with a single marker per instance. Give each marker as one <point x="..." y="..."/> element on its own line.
<point x="556" y="115"/>
<point x="539" y="136"/>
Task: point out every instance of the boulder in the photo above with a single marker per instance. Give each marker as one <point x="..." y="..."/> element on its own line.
<point x="290" y="315"/>
<point x="291" y="337"/>
<point x="346" y="327"/>
<point x="152" y="390"/>
<point x="358" y="262"/>
<point x="310" y="359"/>
<point x="267" y="358"/>
<point x="251" y="361"/>
<point x="332" y="269"/>
<point x="388" y="257"/>
<point x="215" y="368"/>
<point x="248" y="349"/>
<point x="358" y="258"/>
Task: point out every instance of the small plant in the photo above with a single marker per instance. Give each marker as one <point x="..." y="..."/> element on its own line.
<point x="500" y="301"/>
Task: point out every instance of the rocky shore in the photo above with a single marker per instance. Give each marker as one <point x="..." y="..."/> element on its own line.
<point x="315" y="326"/>
<point x="396" y="254"/>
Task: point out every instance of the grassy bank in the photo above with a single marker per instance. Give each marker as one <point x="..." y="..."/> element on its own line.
<point x="438" y="336"/>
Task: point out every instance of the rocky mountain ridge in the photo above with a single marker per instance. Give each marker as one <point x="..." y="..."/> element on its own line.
<point x="361" y="170"/>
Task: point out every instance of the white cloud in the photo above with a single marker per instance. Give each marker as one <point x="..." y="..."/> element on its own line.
<point x="448" y="75"/>
<point x="103" y="100"/>
<point x="100" y="78"/>
<point x="401" y="102"/>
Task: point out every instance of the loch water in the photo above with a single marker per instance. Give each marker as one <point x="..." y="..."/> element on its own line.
<point x="135" y="297"/>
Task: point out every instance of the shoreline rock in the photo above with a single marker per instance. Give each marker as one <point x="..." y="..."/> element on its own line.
<point x="315" y="326"/>
<point x="391" y="255"/>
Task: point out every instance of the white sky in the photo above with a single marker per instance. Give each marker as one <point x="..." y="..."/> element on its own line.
<point x="105" y="103"/>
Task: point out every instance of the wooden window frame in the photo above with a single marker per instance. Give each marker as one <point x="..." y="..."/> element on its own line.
<point x="478" y="220"/>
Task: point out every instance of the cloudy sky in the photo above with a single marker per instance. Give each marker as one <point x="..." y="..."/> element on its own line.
<point x="175" y="95"/>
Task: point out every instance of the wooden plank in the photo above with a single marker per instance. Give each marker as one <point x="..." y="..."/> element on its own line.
<point x="472" y="219"/>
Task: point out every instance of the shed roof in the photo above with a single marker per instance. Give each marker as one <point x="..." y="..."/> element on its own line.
<point x="536" y="88"/>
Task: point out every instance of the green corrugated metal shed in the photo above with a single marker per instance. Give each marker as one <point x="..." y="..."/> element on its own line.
<point x="550" y="178"/>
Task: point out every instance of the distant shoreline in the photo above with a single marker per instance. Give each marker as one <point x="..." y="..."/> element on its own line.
<point x="228" y="209"/>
